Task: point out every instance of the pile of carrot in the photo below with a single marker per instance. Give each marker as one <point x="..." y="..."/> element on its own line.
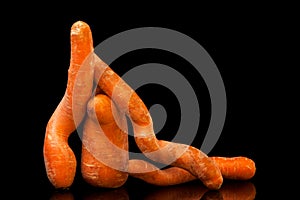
<point x="98" y="98"/>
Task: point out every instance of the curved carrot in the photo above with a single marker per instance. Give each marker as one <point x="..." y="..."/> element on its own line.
<point x="60" y="161"/>
<point x="102" y="163"/>
<point x="180" y="155"/>
<point x="234" y="168"/>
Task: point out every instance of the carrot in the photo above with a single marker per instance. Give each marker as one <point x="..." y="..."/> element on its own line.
<point x="179" y="155"/>
<point x="102" y="163"/>
<point x="239" y="168"/>
<point x="93" y="170"/>
<point x="234" y="168"/>
<point x="59" y="159"/>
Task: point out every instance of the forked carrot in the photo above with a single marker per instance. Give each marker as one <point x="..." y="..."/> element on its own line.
<point x="180" y="155"/>
<point x="104" y="159"/>
<point x="59" y="159"/>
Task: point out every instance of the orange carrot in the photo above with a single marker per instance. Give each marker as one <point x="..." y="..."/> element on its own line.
<point x="235" y="168"/>
<point x="180" y="155"/>
<point x="240" y="167"/>
<point x="103" y="164"/>
<point x="60" y="161"/>
<point x="93" y="170"/>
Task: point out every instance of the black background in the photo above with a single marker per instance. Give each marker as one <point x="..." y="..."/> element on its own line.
<point x="41" y="51"/>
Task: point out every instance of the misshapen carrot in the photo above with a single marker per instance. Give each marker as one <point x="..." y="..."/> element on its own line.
<point x="59" y="159"/>
<point x="180" y="155"/>
<point x="99" y="174"/>
<point x="104" y="159"/>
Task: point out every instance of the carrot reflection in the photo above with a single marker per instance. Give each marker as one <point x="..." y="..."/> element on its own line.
<point x="115" y="194"/>
<point x="66" y="195"/>
<point x="232" y="190"/>
<point x="183" y="192"/>
<point x="228" y="191"/>
<point x="212" y="195"/>
<point x="238" y="190"/>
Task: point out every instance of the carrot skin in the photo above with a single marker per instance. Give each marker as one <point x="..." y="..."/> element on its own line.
<point x="59" y="159"/>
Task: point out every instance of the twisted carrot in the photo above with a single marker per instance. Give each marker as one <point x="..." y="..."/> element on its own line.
<point x="234" y="168"/>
